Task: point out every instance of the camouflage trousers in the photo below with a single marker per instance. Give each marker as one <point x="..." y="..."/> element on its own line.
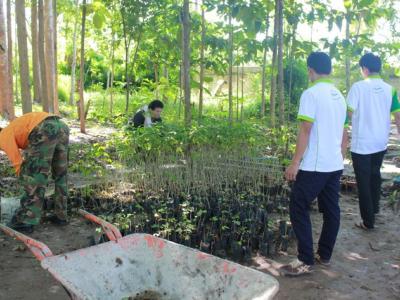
<point x="47" y="152"/>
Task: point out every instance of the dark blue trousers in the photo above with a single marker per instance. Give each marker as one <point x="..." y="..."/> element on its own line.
<point x="307" y="187"/>
<point x="368" y="175"/>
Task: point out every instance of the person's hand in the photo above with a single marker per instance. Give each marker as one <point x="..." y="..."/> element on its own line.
<point x="291" y="171"/>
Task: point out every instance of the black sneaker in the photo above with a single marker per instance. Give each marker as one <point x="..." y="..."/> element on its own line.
<point x="20" y="227"/>
<point x="320" y="261"/>
<point x="55" y="220"/>
<point x="296" y="268"/>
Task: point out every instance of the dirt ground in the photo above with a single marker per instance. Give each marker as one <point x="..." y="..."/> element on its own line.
<point x="365" y="265"/>
<point x="21" y="276"/>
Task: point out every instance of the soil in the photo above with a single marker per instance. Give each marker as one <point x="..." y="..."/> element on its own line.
<point x="21" y="275"/>
<point x="365" y="265"/>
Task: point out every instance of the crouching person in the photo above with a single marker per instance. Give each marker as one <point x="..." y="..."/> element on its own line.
<point x="148" y="115"/>
<point x="44" y="139"/>
<point x="317" y="165"/>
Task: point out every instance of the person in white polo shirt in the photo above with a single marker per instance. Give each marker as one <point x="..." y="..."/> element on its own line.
<point x="370" y="104"/>
<point x="317" y="165"/>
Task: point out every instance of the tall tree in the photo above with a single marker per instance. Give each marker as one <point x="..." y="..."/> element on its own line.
<point x="50" y="68"/>
<point x="82" y="71"/>
<point x="273" y="67"/>
<point x="230" y="64"/>
<point x="242" y="93"/>
<point x="73" y="65"/>
<point x="264" y="66"/>
<point x="55" y="63"/>
<point x="4" y="94"/>
<point x="10" y="58"/>
<point x="23" y="56"/>
<point x="42" y="59"/>
<point x="186" y="62"/>
<point x="347" y="55"/>
<point x="280" y="85"/>
<point x="111" y="85"/>
<point x="133" y="14"/>
<point x="127" y="44"/>
<point x="35" y="52"/>
<point x="202" y="63"/>
<point x="294" y="14"/>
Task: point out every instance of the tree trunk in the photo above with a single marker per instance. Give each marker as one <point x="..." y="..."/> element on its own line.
<point x="82" y="71"/>
<point x="237" y="90"/>
<point x="35" y="52"/>
<point x="292" y="51"/>
<point x="242" y="94"/>
<point x="273" y="67"/>
<point x="165" y="75"/>
<point x="264" y="73"/>
<point x="230" y="62"/>
<point x="127" y="41"/>
<point x="347" y="57"/>
<point x="312" y="21"/>
<point x="138" y="41"/>
<point x="4" y="69"/>
<point x="73" y="65"/>
<point x="281" y="92"/>
<point x="127" y="86"/>
<point x="42" y="59"/>
<point x="9" y="107"/>
<point x="156" y="79"/>
<point x="112" y="75"/>
<point x="202" y="66"/>
<point x="50" y="55"/>
<point x="55" y="84"/>
<point x="23" y="57"/>
<point x="16" y="61"/>
<point x="186" y="63"/>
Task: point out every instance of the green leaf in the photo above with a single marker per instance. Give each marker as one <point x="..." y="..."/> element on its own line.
<point x="365" y="3"/>
<point x="339" y="22"/>
<point x="98" y="20"/>
<point x="235" y="11"/>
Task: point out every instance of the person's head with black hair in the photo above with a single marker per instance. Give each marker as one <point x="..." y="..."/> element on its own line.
<point x="156" y="107"/>
<point x="370" y="64"/>
<point x="319" y="65"/>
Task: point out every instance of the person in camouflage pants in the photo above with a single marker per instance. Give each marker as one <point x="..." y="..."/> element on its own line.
<point x="47" y="151"/>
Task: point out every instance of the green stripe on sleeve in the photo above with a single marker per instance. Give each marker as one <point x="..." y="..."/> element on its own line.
<point x="347" y="122"/>
<point x="350" y="108"/>
<point x="395" y="102"/>
<point x="305" y="118"/>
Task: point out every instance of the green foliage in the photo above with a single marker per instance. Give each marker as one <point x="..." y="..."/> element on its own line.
<point x="89" y="160"/>
<point x="62" y="95"/>
<point x="295" y="73"/>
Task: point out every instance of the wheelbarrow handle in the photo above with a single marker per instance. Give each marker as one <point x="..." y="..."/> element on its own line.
<point x="109" y="229"/>
<point x="38" y="249"/>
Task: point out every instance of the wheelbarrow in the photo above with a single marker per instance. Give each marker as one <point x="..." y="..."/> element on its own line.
<point x="145" y="267"/>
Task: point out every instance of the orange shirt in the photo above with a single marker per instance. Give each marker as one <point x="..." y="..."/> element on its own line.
<point x="15" y="136"/>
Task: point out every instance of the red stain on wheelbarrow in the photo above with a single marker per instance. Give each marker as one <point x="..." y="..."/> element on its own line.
<point x="202" y="256"/>
<point x="156" y="244"/>
<point x="227" y="269"/>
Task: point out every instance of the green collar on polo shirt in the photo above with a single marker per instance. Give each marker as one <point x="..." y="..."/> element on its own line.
<point x="377" y="76"/>
<point x="325" y="80"/>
